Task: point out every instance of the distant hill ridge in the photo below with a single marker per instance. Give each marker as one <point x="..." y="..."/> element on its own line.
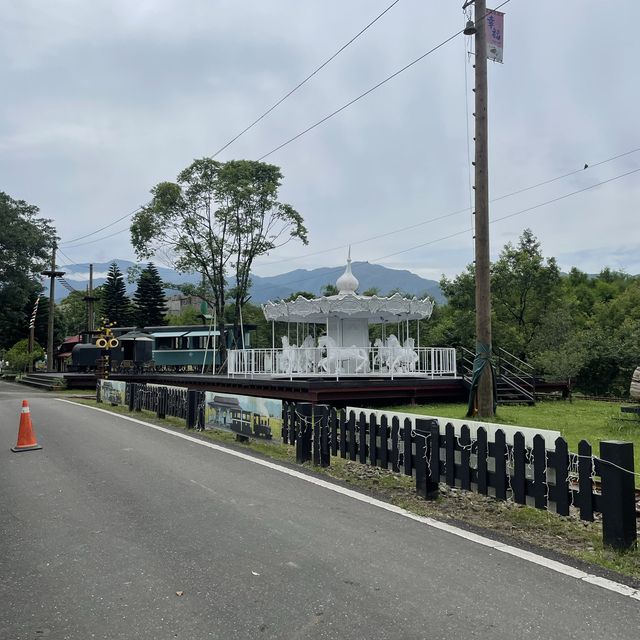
<point x="279" y="286"/>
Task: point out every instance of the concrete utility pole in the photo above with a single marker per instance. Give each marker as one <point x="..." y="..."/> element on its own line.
<point x="482" y="255"/>
<point x="52" y="274"/>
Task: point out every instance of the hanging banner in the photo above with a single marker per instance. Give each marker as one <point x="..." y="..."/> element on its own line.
<point x="494" y="26"/>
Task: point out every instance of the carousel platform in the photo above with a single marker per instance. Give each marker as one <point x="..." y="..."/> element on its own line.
<point x="346" y="391"/>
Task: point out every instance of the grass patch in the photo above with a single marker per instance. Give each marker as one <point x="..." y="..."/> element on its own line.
<point x="590" y="420"/>
<point x="521" y="525"/>
<point x="74" y="392"/>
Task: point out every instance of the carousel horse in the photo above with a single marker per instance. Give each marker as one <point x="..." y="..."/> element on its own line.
<point x="337" y="355"/>
<point x="307" y="355"/>
<point x="382" y="356"/>
<point x="402" y="356"/>
<point x="288" y="357"/>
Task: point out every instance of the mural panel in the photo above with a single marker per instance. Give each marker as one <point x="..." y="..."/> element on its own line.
<point x="244" y="415"/>
<point x="112" y="391"/>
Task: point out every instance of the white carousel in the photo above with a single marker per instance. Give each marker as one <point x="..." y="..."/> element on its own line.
<point x="329" y="337"/>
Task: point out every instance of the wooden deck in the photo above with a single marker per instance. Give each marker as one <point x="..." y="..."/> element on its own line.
<point x="347" y="391"/>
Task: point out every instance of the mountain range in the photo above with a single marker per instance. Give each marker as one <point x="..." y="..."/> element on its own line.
<point x="272" y="287"/>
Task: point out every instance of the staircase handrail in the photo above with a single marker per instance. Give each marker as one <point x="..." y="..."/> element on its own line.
<point x="525" y="365"/>
<point x="527" y="392"/>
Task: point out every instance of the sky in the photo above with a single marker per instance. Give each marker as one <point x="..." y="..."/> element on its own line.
<point x="104" y="99"/>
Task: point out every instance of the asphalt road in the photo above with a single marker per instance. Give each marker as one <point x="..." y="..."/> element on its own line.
<point x="110" y="519"/>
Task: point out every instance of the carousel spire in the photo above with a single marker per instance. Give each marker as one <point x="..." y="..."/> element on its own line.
<point x="347" y="283"/>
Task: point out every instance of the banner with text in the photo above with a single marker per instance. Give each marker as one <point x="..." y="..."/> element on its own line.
<point x="494" y="26"/>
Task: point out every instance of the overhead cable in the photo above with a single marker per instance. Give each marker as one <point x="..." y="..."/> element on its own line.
<point x="128" y="215"/>
<point x="372" y="89"/>
<point x="337" y="270"/>
<point x="454" y="213"/>
<point x="300" y="84"/>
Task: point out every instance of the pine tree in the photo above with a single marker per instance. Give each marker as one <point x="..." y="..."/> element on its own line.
<point x="149" y="299"/>
<point x="116" y="307"/>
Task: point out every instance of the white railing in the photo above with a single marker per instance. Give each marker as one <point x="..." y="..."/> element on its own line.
<point x="303" y="362"/>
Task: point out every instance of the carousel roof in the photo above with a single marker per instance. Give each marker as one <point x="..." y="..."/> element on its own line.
<point x="348" y="304"/>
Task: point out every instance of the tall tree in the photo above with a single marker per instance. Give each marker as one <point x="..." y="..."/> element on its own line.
<point x="215" y="220"/>
<point x="259" y="221"/>
<point x="149" y="300"/>
<point x="25" y="247"/>
<point x="524" y="287"/>
<point x="116" y="306"/>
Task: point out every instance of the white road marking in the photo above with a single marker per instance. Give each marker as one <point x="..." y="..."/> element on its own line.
<point x="558" y="567"/>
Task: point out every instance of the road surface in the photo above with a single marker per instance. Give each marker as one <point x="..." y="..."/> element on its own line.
<point x="104" y="526"/>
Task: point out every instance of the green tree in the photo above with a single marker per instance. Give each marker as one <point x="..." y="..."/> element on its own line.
<point x="300" y="294"/>
<point x="188" y="316"/>
<point x="215" y="220"/>
<point x="150" y="302"/>
<point x="116" y="306"/>
<point x="524" y="287"/>
<point x="330" y="290"/>
<point x="25" y="247"/>
<point x="19" y="357"/>
<point x="259" y="221"/>
<point x="559" y="349"/>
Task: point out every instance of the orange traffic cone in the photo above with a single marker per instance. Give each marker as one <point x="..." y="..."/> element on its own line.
<point x="26" y="439"/>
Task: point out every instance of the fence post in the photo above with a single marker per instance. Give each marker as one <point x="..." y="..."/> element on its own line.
<point x="317" y="419"/>
<point x="325" y="450"/>
<point x="618" y="493"/>
<point x="132" y="395"/>
<point x="427" y="452"/>
<point x="201" y="415"/>
<point x="303" y="437"/>
<point x="192" y="408"/>
<point x="138" y="397"/>
<point x="285" y="422"/>
<point x="163" y="394"/>
<point x="98" y="391"/>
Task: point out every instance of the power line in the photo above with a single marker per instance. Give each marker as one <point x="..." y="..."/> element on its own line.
<point x="468" y="230"/>
<point x="371" y="90"/>
<point x="266" y="113"/>
<point x="313" y="73"/>
<point x="516" y="213"/>
<point x="455" y="213"/>
<point x="308" y="129"/>
<point x="64" y="254"/>
<point x="566" y="175"/>
<point x="82" y="244"/>
<point x="93" y="233"/>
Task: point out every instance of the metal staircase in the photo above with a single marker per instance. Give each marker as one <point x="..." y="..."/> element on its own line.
<point x="515" y="381"/>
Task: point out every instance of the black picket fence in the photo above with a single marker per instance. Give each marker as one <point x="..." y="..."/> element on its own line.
<point x="545" y="477"/>
<point x="164" y="401"/>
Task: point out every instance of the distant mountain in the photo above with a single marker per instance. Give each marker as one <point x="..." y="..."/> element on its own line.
<point x="273" y="287"/>
<point x="369" y="276"/>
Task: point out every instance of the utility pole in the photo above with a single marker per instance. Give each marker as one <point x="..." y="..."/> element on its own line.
<point x="90" y="299"/>
<point x="52" y="274"/>
<point x="484" y="397"/>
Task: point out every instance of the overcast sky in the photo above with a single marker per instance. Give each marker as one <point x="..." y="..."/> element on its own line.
<point x="103" y="99"/>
